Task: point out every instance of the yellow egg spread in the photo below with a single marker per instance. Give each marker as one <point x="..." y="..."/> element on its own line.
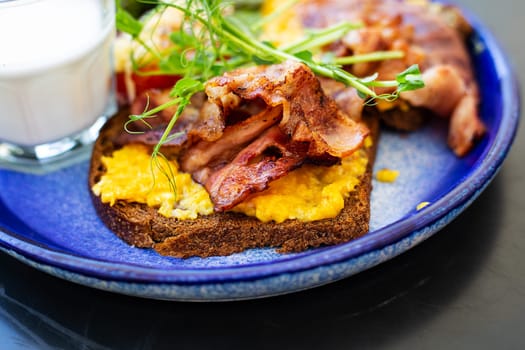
<point x="131" y="176"/>
<point x="306" y="194"/>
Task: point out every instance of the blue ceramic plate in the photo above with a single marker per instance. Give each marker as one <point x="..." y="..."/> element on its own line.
<point x="48" y="221"/>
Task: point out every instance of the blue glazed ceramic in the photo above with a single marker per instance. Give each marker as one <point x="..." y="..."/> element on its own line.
<point x="48" y="222"/>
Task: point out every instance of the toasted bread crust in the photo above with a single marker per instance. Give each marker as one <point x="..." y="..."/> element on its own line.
<point x="225" y="233"/>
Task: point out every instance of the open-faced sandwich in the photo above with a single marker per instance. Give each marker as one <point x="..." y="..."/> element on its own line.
<point x="270" y="143"/>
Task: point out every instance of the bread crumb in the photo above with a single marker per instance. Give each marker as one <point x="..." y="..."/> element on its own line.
<point x="387" y="175"/>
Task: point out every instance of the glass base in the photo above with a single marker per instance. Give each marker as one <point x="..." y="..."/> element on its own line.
<point x="50" y="156"/>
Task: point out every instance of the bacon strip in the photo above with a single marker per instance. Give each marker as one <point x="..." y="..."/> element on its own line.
<point x="430" y="35"/>
<point x="268" y="158"/>
<point x="294" y="87"/>
<point x="464" y="128"/>
<point x="347" y="100"/>
<point x="233" y="139"/>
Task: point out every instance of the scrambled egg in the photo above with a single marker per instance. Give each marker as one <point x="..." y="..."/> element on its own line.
<point x="306" y="194"/>
<point x="131" y="176"/>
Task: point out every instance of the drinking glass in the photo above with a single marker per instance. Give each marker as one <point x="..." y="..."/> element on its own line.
<point x="56" y="78"/>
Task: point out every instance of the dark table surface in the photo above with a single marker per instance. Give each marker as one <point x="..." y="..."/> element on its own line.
<point x="464" y="288"/>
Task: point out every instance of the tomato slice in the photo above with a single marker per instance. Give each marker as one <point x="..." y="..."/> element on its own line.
<point x="142" y="83"/>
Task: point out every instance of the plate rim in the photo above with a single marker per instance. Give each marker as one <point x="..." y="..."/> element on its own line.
<point x="484" y="170"/>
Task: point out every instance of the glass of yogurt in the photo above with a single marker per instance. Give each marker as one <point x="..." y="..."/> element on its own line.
<point x="56" y="78"/>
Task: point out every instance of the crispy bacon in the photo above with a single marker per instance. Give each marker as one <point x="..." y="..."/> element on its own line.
<point x="444" y="88"/>
<point x="465" y="129"/>
<point x="298" y="123"/>
<point x="305" y="106"/>
<point x="234" y="138"/>
<point x="271" y="156"/>
<point x="430" y="35"/>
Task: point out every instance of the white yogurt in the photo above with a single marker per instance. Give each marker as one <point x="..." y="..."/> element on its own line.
<point x="55" y="67"/>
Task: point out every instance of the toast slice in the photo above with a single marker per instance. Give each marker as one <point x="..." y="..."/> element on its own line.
<point x="227" y="232"/>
